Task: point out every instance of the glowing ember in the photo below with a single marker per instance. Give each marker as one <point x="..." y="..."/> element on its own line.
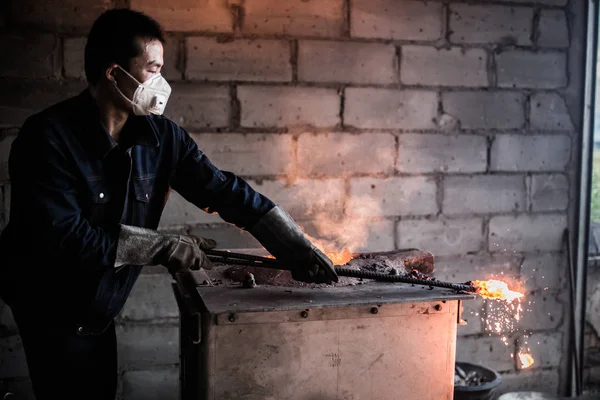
<point x="340" y="258"/>
<point x="495" y="289"/>
<point x="526" y="360"/>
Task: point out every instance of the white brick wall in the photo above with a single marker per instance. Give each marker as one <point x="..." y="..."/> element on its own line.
<point x="426" y="153"/>
<point x="352" y="62"/>
<point x="340" y="154"/>
<point x="470" y="23"/>
<point x="272" y="106"/>
<point x="462" y="67"/>
<point x="446" y="236"/>
<point x="541" y="232"/>
<point x="199" y="106"/>
<point x="528" y="69"/>
<point x="389" y="108"/>
<point x="486" y="110"/>
<point x="252" y="154"/>
<point x="371" y="197"/>
<point x="530" y="153"/>
<point x="482" y="194"/>
<point x="247" y="60"/>
<point x="290" y="17"/>
<point x="389" y="19"/>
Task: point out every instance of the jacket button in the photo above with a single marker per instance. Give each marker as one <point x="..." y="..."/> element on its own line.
<point x="80" y="329"/>
<point x="147" y="196"/>
<point x="101" y="195"/>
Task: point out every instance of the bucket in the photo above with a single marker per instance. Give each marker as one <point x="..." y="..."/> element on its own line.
<point x="484" y="391"/>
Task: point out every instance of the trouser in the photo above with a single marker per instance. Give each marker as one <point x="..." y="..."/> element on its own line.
<point x="67" y="364"/>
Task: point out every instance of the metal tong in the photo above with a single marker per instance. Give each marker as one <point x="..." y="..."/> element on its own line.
<point x="250" y="260"/>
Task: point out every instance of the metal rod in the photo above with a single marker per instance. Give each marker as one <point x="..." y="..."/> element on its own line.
<point x="265" y="262"/>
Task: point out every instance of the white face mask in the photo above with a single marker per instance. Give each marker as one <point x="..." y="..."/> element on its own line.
<point x="150" y="97"/>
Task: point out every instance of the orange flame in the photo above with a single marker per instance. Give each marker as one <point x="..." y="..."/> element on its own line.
<point x="339" y="258"/>
<point x="495" y="289"/>
<point x="526" y="360"/>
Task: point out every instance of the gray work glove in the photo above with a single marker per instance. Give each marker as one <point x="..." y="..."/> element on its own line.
<point x="141" y="246"/>
<point x="284" y="239"/>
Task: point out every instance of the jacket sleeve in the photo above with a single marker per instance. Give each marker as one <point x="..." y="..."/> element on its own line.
<point x="48" y="210"/>
<point x="203" y="184"/>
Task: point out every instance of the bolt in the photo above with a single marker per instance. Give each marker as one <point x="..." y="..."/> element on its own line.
<point x="438" y="307"/>
<point x="374" y="310"/>
<point x="231" y="317"/>
<point x="304" y="314"/>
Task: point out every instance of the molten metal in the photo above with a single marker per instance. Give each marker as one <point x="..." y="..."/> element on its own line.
<point x="526" y="360"/>
<point x="495" y="289"/>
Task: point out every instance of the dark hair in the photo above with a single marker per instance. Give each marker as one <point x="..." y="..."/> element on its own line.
<point x="112" y="39"/>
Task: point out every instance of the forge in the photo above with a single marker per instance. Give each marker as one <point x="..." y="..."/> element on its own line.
<point x="282" y="339"/>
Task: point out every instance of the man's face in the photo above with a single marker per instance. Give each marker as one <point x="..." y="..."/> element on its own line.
<point x="142" y="67"/>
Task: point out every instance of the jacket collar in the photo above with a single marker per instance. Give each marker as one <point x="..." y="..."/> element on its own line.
<point x="138" y="130"/>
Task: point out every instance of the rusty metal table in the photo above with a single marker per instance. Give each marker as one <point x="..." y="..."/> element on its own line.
<point x="373" y="341"/>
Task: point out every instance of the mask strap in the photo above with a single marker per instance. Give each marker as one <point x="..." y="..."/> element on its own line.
<point x="131" y="76"/>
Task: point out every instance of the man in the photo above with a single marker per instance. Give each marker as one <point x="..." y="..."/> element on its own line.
<point x="90" y="177"/>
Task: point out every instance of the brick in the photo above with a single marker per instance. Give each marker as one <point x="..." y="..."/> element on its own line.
<point x="199" y="106"/>
<point x="478" y="267"/>
<point x="425" y="153"/>
<point x="490" y="24"/>
<point x="527" y="232"/>
<point x="341" y="154"/>
<point x="271" y="106"/>
<point x="32" y="56"/>
<point x="442" y="236"/>
<point x="486" y="110"/>
<point x="238" y="60"/>
<point x="548" y="192"/>
<point x="227" y="236"/>
<point x="545" y="271"/>
<point x="351" y="62"/>
<point x="21" y="98"/>
<point x="484" y="194"/>
<point x="323" y="18"/>
<point x="179" y="212"/>
<point x="248" y="154"/>
<point x="530" y="153"/>
<point x="541" y="311"/>
<point x="71" y="16"/>
<point x="548" y="111"/>
<point x="545" y="381"/>
<point x="473" y="314"/>
<point x="358" y="235"/>
<point x="152" y="384"/>
<point x="5" y="146"/>
<point x="545" y="348"/>
<point x="144" y="345"/>
<point x="306" y="198"/>
<point x="73" y="57"/>
<point x="172" y="68"/>
<point x="388" y="19"/>
<point x="462" y="67"/>
<point x="186" y="16"/>
<point x="528" y="69"/>
<point x="496" y="354"/>
<point x="553" y="29"/>
<point x="372" y="197"/>
<point x="12" y="358"/>
<point x="152" y="298"/>
<point x="390" y="108"/>
<point x="8" y="326"/>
